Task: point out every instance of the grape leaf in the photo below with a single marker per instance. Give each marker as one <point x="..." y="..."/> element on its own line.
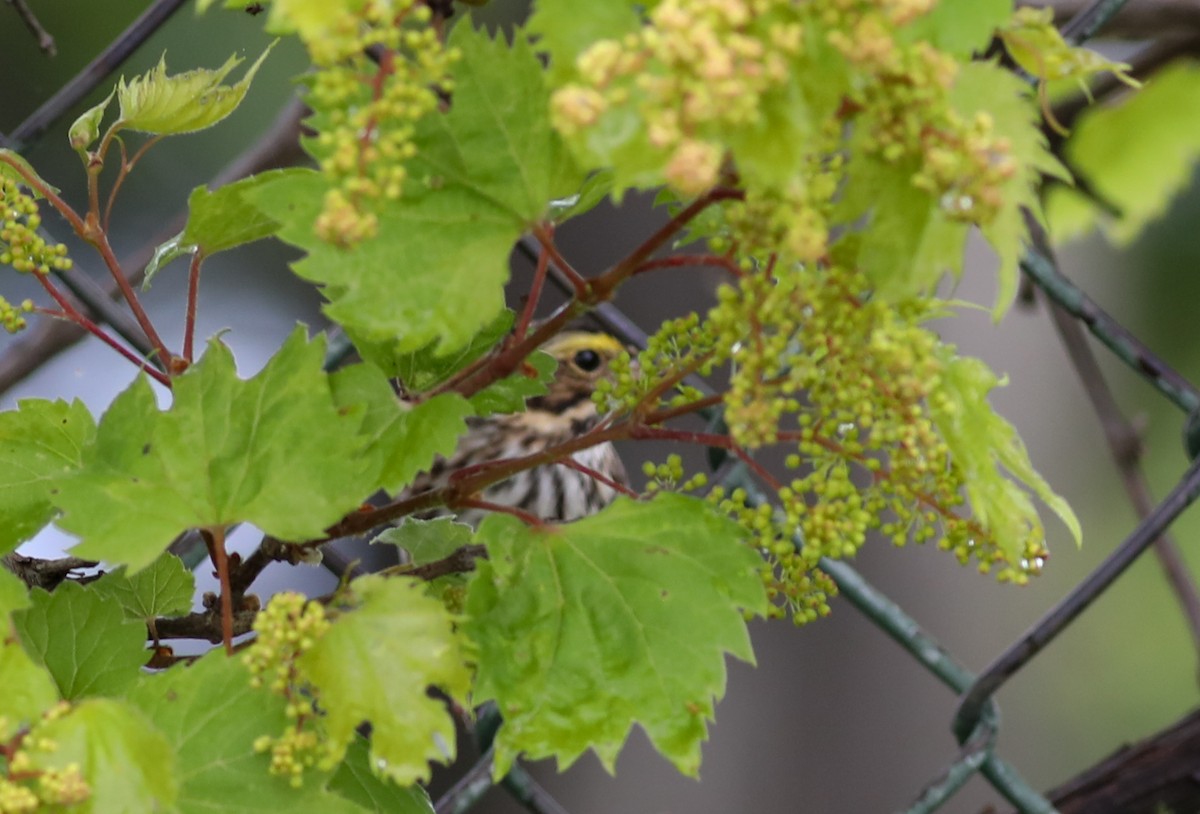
<point x="211" y="716"/>
<point x="1139" y="176"/>
<point x="355" y="781"/>
<point x="14" y="594"/>
<point x="126" y="762"/>
<point x="405" y="439"/>
<point x="424" y="368"/>
<point x="40" y="442"/>
<point x="217" y="221"/>
<point x="83" y="639"/>
<point x="164" y="589"/>
<point x="273" y="450"/>
<point x="86" y="129"/>
<point x="28" y="688"/>
<point x="566" y="28"/>
<point x="484" y="172"/>
<point x="983" y="86"/>
<point x="428" y="540"/>
<point x="981" y="442"/>
<point x="375" y="664"/>
<point x="623" y="617"/>
<point x="509" y="394"/>
<point x="182" y="103"/>
<point x="959" y="28"/>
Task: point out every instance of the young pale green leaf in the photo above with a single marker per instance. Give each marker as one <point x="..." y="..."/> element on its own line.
<point x="961" y="29"/>
<point x="428" y="540"/>
<point x="211" y="716"/>
<point x="356" y="782"/>
<point x="910" y="242"/>
<point x="405" y="439"/>
<point x="40" y="443"/>
<point x="86" y="129"/>
<point x="182" y="103"/>
<point x="165" y="588"/>
<point x="484" y="172"/>
<point x="984" y="86"/>
<point x="1138" y="176"/>
<point x="274" y="450"/>
<point x="217" y="220"/>
<point x="375" y="664"/>
<point x="623" y="617"/>
<point x="14" y="166"/>
<point x="596" y="187"/>
<point x="28" y="688"/>
<point x="126" y="762"/>
<point x="83" y="639"/>
<point x="983" y="445"/>
<point x="509" y="394"/>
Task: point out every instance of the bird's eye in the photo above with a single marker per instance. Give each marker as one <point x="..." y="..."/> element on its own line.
<point x="587" y="360"/>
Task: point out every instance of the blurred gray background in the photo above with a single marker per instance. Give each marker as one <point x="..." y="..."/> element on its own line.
<point x="835" y="717"/>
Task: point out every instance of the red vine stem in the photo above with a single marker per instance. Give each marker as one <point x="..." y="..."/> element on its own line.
<point x="535" y="293"/>
<point x="595" y="474"/>
<point x="126" y="168"/>
<point x="90" y="231"/>
<point x="216" y="548"/>
<point x="545" y="236"/>
<point x="524" y="516"/>
<point x="687" y="260"/>
<point x="73" y="314"/>
<point x="193" y="294"/>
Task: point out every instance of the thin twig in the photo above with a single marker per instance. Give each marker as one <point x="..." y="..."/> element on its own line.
<point x="534" y="295"/>
<point x="94" y="72"/>
<point x="44" y="40"/>
<point x="1126" y="449"/>
<point x="193" y="295"/>
<point x="216" y="541"/>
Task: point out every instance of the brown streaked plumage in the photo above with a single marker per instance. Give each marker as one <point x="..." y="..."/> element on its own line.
<point x="554" y="492"/>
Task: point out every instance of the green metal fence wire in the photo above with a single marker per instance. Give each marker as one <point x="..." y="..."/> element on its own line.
<point x="976" y="722"/>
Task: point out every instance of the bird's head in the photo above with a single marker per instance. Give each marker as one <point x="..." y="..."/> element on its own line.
<point x="583" y="359"/>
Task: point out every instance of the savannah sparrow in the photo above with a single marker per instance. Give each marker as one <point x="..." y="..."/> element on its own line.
<point x="552" y="492"/>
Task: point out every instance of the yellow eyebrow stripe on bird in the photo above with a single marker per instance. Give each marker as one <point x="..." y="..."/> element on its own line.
<point x="569" y="341"/>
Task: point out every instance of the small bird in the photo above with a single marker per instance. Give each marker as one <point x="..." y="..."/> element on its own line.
<point x="553" y="492"/>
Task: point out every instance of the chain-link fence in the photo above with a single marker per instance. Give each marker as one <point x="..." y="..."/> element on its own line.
<point x="976" y="723"/>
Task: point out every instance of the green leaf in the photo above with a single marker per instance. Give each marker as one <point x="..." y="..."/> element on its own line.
<point x="566" y="28"/>
<point x="86" y="128"/>
<point x="484" y="172"/>
<point x="596" y="187"/>
<point x="126" y="762"/>
<point x="10" y="161"/>
<point x="274" y="451"/>
<point x="83" y="639"/>
<point x="40" y="443"/>
<point x="509" y="394"/>
<point x="428" y="540"/>
<point x="1139" y="176"/>
<point x="375" y="664"/>
<point x="356" y="782"/>
<point x="983" y="445"/>
<point x="960" y="29"/>
<point x="28" y="688"/>
<point x="623" y="617"/>
<point x="405" y="439"/>
<point x="909" y="242"/>
<point x="217" y="221"/>
<point x="165" y="588"/>
<point x="14" y="594"/>
<point x="984" y="86"/>
<point x="424" y="368"/>
<point x="183" y="103"/>
<point x="211" y="716"/>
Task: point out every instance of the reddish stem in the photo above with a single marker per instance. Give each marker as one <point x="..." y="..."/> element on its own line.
<point x="595" y="474"/>
<point x="70" y="312"/>
<point x="545" y="236"/>
<point x="524" y="516"/>
<point x="126" y="168"/>
<point x="216" y="549"/>
<point x="99" y="239"/>
<point x="189" y="327"/>
<point x="686" y="260"/>
<point x="535" y="294"/>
